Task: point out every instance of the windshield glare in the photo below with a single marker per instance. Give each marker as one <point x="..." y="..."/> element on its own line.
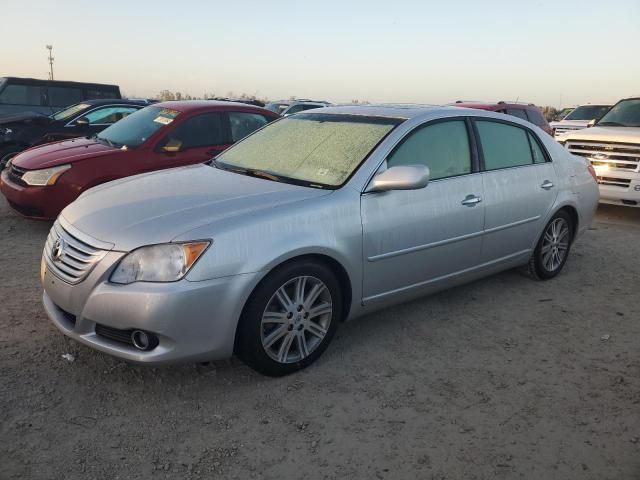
<point x="588" y="112"/>
<point x="69" y="112"/>
<point x="316" y="149"/>
<point x="135" y="129"/>
<point x="625" y="113"/>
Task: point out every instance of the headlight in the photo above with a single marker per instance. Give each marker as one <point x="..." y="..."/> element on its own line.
<point x="158" y="263"/>
<point x="46" y="176"/>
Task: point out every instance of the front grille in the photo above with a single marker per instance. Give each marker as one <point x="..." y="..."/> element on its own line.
<point x="68" y="257"/>
<point x="615" y="155"/>
<point x="614" y="182"/>
<point x="561" y="130"/>
<point x="16" y="174"/>
<point x="115" y="334"/>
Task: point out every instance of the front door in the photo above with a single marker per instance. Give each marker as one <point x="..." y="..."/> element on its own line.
<point x="417" y="237"/>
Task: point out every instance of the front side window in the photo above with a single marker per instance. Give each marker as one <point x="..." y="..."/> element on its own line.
<point x="21" y="95"/>
<point x="625" y="113"/>
<point x="135" y="129"/>
<point x="63" y="96"/>
<point x="244" y="123"/>
<point x="202" y="130"/>
<point x="320" y="150"/>
<point x="503" y="145"/>
<point x="108" y="115"/>
<point x="443" y="147"/>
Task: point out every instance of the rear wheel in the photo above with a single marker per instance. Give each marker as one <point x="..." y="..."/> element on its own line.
<point x="552" y="250"/>
<point x="290" y="318"/>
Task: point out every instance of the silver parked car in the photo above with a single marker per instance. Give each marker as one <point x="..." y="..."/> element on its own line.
<point x="313" y="219"/>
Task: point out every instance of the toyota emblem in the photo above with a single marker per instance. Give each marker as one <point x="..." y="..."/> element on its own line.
<point x="58" y="250"/>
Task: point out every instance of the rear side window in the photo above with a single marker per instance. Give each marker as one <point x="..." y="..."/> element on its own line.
<point x="536" y="117"/>
<point x="199" y="131"/>
<point x="21" y="95"/>
<point x="443" y="147"/>
<point x="516" y="112"/>
<point x="538" y="155"/>
<point x="244" y="123"/>
<point x="63" y="96"/>
<point x="503" y="145"/>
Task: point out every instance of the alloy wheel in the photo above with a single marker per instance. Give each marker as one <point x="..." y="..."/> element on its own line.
<point x="555" y="244"/>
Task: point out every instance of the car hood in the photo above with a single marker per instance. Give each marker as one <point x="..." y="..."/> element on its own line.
<point x="605" y="134"/>
<point x="570" y="123"/>
<point x="24" y="118"/>
<point x="159" y="206"/>
<point x="60" y="153"/>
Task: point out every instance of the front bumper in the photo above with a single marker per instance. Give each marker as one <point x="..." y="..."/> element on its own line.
<point x="629" y="196"/>
<point x="41" y="203"/>
<point x="194" y="321"/>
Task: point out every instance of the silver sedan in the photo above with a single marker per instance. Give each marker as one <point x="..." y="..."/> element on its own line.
<point x="317" y="218"/>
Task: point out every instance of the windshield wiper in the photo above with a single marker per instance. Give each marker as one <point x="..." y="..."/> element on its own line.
<point x="252" y="172"/>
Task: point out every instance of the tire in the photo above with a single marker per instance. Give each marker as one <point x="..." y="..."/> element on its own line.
<point x="553" y="247"/>
<point x="278" y="332"/>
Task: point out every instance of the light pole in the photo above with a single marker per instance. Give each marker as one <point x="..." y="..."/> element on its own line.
<point x="50" y="48"/>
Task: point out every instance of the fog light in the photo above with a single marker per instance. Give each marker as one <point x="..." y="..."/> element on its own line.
<point x="142" y="340"/>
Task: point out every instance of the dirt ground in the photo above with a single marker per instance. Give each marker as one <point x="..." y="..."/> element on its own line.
<point x="502" y="378"/>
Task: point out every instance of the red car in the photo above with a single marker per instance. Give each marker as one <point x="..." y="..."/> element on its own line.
<point x="41" y="181"/>
<point x="525" y="111"/>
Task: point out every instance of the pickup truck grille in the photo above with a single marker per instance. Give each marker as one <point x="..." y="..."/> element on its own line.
<point x="69" y="258"/>
<point x="561" y="130"/>
<point x="623" y="157"/>
<point x="614" y="182"/>
<point x="15" y="175"/>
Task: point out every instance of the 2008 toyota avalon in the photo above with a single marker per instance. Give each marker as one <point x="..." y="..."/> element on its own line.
<point x="314" y="219"/>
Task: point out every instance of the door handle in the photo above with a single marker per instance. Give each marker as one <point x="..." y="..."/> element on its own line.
<point x="471" y="200"/>
<point x="547" y="184"/>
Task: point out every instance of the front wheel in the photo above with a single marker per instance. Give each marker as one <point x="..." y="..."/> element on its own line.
<point x="552" y="250"/>
<point x="290" y="318"/>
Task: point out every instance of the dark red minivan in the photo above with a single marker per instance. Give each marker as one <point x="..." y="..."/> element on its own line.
<point x="41" y="181"/>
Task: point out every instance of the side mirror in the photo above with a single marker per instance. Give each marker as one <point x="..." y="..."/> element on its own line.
<point x="591" y="123"/>
<point x="82" y="122"/>
<point x="402" y="177"/>
<point x="172" y="146"/>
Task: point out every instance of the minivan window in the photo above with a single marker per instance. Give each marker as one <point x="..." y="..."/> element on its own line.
<point x="199" y="131"/>
<point x="516" y="112"/>
<point x="21" y="95"/>
<point x="314" y="149"/>
<point x="536" y="117"/>
<point x="134" y="130"/>
<point x="63" y="96"/>
<point x="443" y="147"/>
<point x="503" y="145"/>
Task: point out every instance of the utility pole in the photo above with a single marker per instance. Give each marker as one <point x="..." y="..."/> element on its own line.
<point x="50" y="48"/>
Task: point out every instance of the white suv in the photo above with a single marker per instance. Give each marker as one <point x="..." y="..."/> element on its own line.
<point x="579" y="118"/>
<point x="613" y="148"/>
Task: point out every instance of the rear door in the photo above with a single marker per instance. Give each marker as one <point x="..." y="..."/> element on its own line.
<point x="519" y="188"/>
<point x="413" y="238"/>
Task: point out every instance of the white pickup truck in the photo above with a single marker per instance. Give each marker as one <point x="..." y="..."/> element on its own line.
<point x="613" y="148"/>
<point x="579" y="118"/>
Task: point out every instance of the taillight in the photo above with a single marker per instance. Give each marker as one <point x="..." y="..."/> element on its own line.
<point x="592" y="171"/>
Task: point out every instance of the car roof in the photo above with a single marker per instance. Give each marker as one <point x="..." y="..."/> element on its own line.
<point x="39" y="81"/>
<point x="190" y="106"/>
<point x="400" y="111"/>
<point x="109" y="101"/>
<point x="495" y="105"/>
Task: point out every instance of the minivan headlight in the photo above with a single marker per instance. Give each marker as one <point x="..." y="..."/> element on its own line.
<point x="45" y="176"/>
<point x="159" y="263"/>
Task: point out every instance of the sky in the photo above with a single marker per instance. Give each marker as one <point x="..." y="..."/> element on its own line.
<point x="542" y="51"/>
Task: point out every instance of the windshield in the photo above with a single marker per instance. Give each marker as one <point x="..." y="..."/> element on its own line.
<point x="276" y="107"/>
<point x="135" y="129"/>
<point x="69" y="112"/>
<point x="625" y="113"/>
<point x="588" y="112"/>
<point x="319" y="150"/>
